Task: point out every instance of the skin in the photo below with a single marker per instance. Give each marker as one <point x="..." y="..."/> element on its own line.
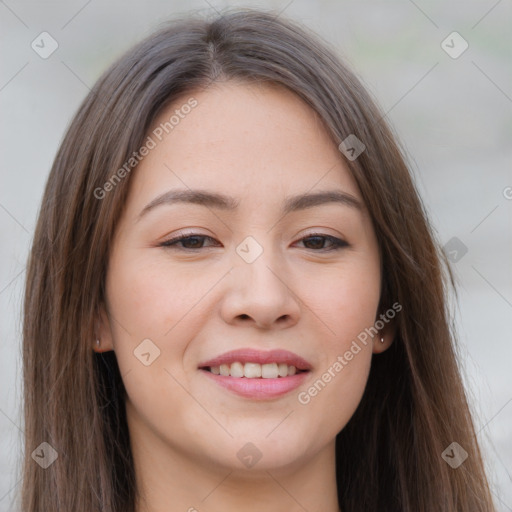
<point x="259" y="144"/>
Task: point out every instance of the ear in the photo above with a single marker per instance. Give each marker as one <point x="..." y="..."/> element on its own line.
<point x="103" y="331"/>
<point x="386" y="333"/>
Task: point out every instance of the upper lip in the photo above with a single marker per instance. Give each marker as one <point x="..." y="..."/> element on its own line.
<point x="249" y="355"/>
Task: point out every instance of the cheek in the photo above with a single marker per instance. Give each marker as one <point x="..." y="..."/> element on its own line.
<point x="148" y="299"/>
<point x="335" y="394"/>
<point x="347" y="303"/>
<point x="154" y="310"/>
<point x="148" y="310"/>
<point x="143" y="308"/>
<point x="345" y="298"/>
<point x="349" y="307"/>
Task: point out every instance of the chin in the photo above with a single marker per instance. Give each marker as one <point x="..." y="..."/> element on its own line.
<point x="256" y="451"/>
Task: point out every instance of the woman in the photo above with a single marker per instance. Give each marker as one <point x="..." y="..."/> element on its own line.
<point x="234" y="299"/>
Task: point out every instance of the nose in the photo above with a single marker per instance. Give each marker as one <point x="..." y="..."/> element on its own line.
<point x="262" y="294"/>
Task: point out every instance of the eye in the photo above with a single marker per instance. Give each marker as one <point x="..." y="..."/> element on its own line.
<point x="319" y="240"/>
<point x="191" y="241"/>
<point x="194" y="241"/>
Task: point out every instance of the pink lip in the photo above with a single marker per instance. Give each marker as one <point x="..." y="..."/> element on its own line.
<point x="259" y="388"/>
<point x="249" y="355"/>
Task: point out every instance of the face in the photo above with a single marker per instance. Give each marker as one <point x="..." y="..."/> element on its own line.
<point x="223" y="337"/>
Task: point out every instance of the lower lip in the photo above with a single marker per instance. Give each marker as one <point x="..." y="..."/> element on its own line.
<point x="258" y="388"/>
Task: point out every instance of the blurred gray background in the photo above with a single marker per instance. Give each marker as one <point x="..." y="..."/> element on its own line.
<point x="451" y="109"/>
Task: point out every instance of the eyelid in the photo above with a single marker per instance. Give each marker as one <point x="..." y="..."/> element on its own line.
<point x="184" y="235"/>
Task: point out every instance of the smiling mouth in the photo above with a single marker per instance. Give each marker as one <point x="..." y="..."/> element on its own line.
<point x="254" y="370"/>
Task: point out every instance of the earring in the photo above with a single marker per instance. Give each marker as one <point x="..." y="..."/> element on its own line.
<point x="382" y="339"/>
<point x="98" y="343"/>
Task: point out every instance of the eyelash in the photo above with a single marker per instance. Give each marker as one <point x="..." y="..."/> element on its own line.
<point x="172" y="243"/>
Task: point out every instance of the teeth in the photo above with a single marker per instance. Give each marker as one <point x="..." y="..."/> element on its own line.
<point x="269" y="371"/>
<point x="251" y="370"/>
<point x="237" y="370"/>
<point x="254" y="370"/>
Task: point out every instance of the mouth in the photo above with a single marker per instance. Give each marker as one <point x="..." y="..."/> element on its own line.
<point x="257" y="374"/>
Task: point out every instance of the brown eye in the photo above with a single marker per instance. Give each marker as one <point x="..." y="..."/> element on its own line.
<point x="188" y="242"/>
<point x="317" y="240"/>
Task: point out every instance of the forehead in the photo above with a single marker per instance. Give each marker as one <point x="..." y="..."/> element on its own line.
<point x="256" y="141"/>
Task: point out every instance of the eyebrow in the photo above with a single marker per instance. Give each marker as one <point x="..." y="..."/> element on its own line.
<point x="228" y="203"/>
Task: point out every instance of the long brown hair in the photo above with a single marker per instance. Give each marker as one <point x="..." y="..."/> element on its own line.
<point x="389" y="455"/>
